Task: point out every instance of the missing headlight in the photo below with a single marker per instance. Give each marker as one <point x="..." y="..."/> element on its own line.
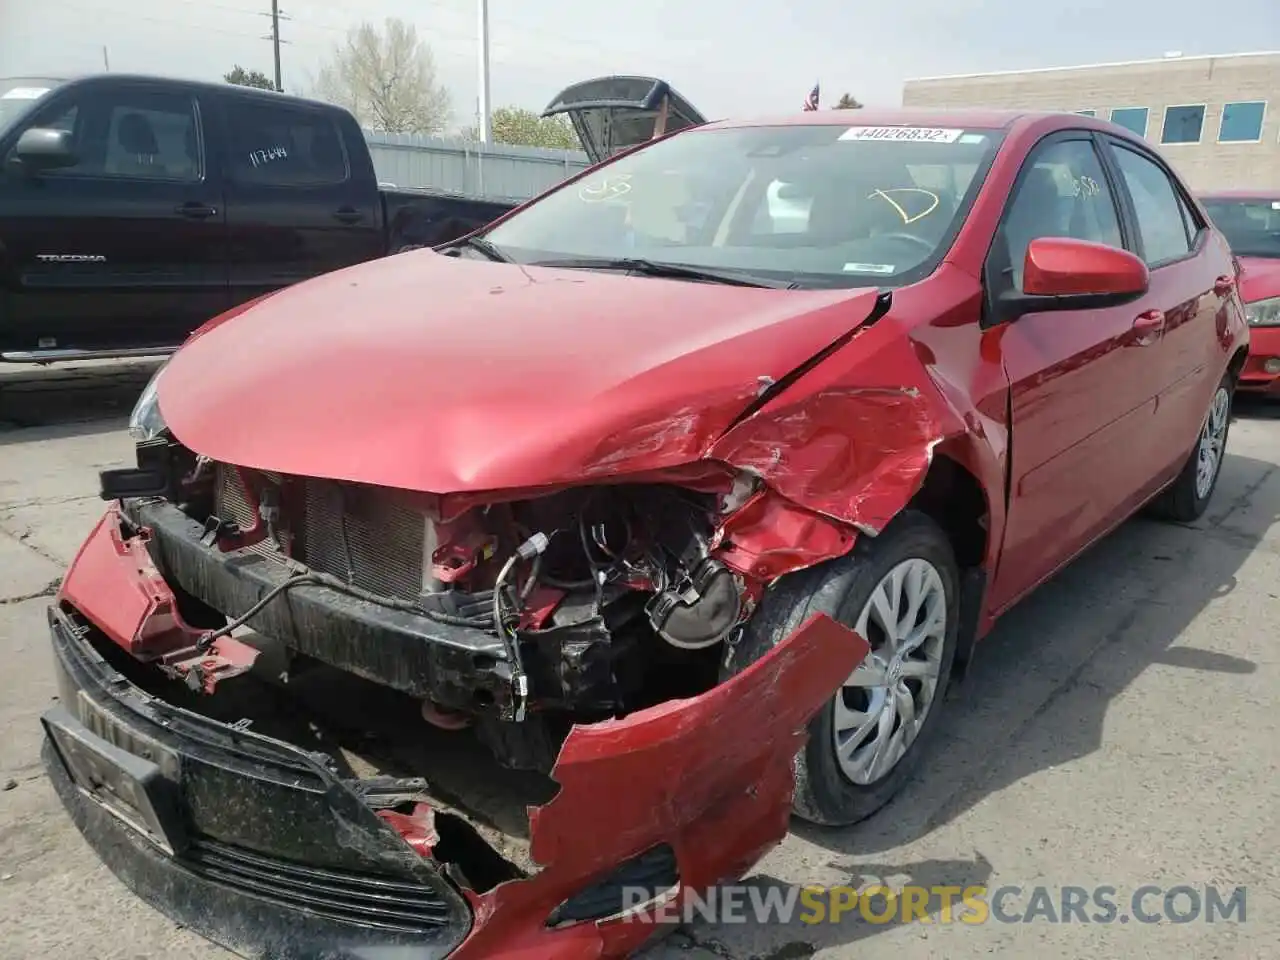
<point x="146" y="422"/>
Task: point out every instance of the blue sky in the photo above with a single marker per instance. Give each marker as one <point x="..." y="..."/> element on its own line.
<point x="727" y="57"/>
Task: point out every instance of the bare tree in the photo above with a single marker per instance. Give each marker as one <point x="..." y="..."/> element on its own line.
<point x="386" y="79"/>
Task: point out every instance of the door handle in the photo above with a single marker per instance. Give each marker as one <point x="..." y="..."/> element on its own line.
<point x="195" y="210"/>
<point x="1147" y="325"/>
<point x="1224" y="285"/>
<point x="348" y="215"/>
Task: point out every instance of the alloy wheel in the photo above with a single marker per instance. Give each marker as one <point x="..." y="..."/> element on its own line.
<point x="881" y="708"/>
<point x="1212" y="440"/>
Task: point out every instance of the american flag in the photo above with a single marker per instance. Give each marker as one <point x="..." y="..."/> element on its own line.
<point x="811" y="102"/>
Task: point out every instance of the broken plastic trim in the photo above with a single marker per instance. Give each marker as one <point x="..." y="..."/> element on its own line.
<point x="655" y="870"/>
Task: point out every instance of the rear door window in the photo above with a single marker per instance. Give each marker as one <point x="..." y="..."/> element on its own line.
<point x="284" y="145"/>
<point x="1161" y="215"/>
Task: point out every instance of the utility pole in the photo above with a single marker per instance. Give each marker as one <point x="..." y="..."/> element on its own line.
<point x="276" y="16"/>
<point x="106" y="61"/>
<point x="485" y="112"/>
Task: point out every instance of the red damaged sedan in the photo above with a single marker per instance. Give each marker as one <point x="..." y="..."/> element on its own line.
<point x="1250" y="220"/>
<point x="676" y="497"/>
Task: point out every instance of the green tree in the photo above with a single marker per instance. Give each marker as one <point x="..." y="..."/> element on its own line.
<point x="526" y="128"/>
<point x="248" y="78"/>
<point x="847" y="102"/>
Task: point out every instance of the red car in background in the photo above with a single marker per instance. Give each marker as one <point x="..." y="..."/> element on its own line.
<point x="684" y="489"/>
<point x="1250" y="220"/>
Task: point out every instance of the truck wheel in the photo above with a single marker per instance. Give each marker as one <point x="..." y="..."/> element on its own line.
<point x="1187" y="498"/>
<point x="900" y="591"/>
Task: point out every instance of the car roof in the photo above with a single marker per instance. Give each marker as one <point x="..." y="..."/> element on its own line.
<point x="898" y="116"/>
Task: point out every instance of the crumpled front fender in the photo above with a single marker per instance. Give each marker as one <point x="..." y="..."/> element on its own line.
<point x="856" y="454"/>
<point x="710" y="775"/>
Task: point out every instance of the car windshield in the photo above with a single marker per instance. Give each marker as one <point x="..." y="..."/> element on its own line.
<point x="16" y="95"/>
<point x="1252" y="227"/>
<point x="813" y="205"/>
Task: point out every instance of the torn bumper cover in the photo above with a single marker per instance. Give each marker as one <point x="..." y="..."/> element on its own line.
<point x="266" y="848"/>
<point x="251" y="842"/>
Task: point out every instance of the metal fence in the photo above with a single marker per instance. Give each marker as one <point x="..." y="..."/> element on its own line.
<point x="495" y="171"/>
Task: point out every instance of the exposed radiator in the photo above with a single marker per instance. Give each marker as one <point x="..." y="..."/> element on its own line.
<point x="348" y="531"/>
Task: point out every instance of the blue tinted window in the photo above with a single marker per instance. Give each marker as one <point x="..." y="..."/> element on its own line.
<point x="1242" y="122"/>
<point x="1182" y="124"/>
<point x="1131" y="118"/>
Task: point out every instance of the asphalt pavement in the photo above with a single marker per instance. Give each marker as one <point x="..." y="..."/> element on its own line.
<point x="1120" y="729"/>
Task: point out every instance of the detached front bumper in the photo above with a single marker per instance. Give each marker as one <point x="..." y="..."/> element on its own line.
<point x="251" y="842"/>
<point x="262" y="846"/>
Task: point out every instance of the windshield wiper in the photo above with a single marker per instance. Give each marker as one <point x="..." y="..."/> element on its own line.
<point x="482" y="245"/>
<point x="656" y="268"/>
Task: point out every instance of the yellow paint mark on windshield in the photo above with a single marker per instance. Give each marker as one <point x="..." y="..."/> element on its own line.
<point x="906" y="217"/>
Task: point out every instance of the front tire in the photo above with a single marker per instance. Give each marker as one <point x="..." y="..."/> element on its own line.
<point x="900" y="590"/>
<point x="1187" y="498"/>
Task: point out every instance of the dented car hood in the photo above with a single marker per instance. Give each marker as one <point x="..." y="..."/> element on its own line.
<point x="441" y="374"/>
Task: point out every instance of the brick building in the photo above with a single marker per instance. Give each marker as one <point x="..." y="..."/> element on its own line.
<point x="1216" y="118"/>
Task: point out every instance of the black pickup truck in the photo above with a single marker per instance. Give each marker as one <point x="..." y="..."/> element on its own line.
<point x="132" y="209"/>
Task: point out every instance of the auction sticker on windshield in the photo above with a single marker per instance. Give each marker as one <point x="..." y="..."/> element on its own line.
<point x="915" y="134"/>
<point x="24" y="93"/>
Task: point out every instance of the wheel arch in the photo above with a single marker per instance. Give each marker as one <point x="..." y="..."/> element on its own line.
<point x="955" y="499"/>
<point x="1236" y="364"/>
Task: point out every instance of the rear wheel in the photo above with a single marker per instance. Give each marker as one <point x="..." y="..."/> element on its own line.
<point x="900" y="591"/>
<point x="1187" y="498"/>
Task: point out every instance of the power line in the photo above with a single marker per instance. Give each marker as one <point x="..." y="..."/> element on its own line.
<point x="164" y="21"/>
<point x="588" y="49"/>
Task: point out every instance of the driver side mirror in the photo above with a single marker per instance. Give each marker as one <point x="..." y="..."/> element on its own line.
<point x="40" y="149"/>
<point x="1062" y="273"/>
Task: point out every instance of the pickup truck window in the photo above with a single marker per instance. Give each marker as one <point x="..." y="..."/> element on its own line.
<point x="130" y="134"/>
<point x="284" y="146"/>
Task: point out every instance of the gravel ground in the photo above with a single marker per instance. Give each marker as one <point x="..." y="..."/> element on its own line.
<point x="1121" y="728"/>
